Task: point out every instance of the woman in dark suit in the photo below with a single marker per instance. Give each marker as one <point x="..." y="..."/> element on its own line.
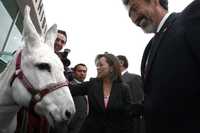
<point x="109" y="99"/>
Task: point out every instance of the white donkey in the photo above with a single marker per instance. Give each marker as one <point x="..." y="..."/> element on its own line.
<point x="34" y="79"/>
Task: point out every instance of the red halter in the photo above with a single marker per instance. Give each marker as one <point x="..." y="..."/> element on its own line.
<point x="36" y="94"/>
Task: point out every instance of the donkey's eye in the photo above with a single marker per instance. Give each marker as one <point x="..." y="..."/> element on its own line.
<point x="43" y="66"/>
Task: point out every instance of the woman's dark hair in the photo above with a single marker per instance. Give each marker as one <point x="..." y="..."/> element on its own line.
<point x="114" y="63"/>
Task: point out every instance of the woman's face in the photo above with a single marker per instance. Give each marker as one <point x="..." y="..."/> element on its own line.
<point x="103" y="68"/>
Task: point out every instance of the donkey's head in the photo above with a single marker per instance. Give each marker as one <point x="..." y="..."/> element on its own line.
<point x="40" y="82"/>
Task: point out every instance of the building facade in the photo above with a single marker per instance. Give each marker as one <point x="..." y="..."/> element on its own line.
<point x="11" y="25"/>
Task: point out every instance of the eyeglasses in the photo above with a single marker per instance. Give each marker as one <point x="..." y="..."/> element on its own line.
<point x="62" y="41"/>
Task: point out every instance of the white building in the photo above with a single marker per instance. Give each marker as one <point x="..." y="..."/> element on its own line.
<point x="11" y="24"/>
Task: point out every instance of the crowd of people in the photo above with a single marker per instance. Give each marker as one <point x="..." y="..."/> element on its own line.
<point x="91" y="114"/>
<point x="163" y="99"/>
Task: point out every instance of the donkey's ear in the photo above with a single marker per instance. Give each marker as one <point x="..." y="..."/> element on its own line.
<point x="51" y="36"/>
<point x="30" y="34"/>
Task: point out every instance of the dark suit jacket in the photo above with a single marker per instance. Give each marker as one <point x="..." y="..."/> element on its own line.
<point x="113" y="119"/>
<point x="80" y="115"/>
<point x="135" y="84"/>
<point x="172" y="76"/>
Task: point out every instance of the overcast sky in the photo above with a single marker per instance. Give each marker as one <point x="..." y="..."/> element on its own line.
<point x="96" y="26"/>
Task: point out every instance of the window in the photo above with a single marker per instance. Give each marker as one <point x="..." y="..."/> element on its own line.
<point x="10" y="36"/>
<point x="14" y="41"/>
<point x="5" y="24"/>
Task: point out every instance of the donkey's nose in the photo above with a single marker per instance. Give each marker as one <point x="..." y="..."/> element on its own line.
<point x="67" y="114"/>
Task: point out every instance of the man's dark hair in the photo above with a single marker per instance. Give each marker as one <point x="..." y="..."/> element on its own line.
<point x="64" y="33"/>
<point x="80" y="64"/>
<point x="125" y="2"/>
<point x="163" y="3"/>
<point x="124" y="59"/>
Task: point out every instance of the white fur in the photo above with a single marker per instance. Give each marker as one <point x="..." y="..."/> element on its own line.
<point x="35" y="51"/>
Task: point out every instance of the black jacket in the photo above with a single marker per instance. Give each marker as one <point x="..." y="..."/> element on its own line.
<point x="171" y="79"/>
<point x="135" y="84"/>
<point x="113" y="119"/>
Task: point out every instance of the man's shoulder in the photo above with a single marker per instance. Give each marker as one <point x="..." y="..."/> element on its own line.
<point x="192" y="6"/>
<point x="191" y="11"/>
<point x="132" y="74"/>
<point x="94" y="80"/>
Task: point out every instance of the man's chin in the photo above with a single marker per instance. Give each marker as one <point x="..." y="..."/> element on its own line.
<point x="149" y="28"/>
<point x="147" y="31"/>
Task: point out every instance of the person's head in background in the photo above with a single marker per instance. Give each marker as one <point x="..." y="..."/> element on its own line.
<point x="108" y="67"/>
<point x="123" y="62"/>
<point x="80" y="72"/>
<point x="147" y="14"/>
<point x="60" y="40"/>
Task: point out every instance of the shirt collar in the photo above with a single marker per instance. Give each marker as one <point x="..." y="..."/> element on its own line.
<point x="124" y="71"/>
<point x="162" y="21"/>
<point x="78" y="82"/>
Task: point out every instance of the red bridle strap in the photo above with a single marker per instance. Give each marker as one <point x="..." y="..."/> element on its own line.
<point x="37" y="94"/>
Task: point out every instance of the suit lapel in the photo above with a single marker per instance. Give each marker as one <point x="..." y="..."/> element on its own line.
<point x="144" y="59"/>
<point x="156" y="41"/>
<point x="111" y="97"/>
<point x="99" y="94"/>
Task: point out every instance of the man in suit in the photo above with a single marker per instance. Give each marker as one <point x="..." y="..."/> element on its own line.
<point x="133" y="80"/>
<point x="80" y="72"/>
<point x="170" y="65"/>
<point x="135" y="84"/>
